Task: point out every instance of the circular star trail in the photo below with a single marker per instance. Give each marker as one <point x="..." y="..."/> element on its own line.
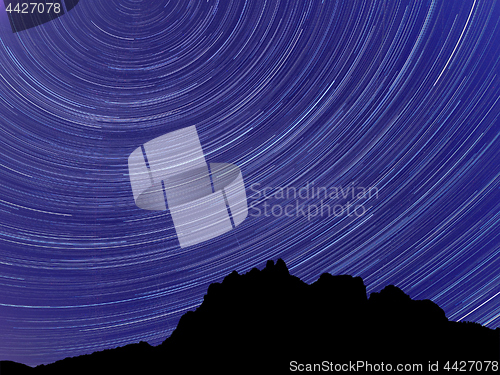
<point x="400" y="97"/>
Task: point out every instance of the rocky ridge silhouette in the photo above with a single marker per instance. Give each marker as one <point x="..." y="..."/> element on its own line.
<point x="268" y="320"/>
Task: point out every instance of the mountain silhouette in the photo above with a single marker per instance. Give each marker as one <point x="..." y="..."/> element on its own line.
<point x="268" y="321"/>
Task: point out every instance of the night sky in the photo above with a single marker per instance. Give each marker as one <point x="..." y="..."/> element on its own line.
<point x="398" y="96"/>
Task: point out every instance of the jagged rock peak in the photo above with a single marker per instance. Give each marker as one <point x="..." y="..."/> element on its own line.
<point x="279" y="268"/>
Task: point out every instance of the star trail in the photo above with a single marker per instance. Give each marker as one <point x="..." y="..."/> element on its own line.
<point x="401" y="96"/>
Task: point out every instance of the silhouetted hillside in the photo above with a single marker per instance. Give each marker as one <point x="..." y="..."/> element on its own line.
<point x="271" y="321"/>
